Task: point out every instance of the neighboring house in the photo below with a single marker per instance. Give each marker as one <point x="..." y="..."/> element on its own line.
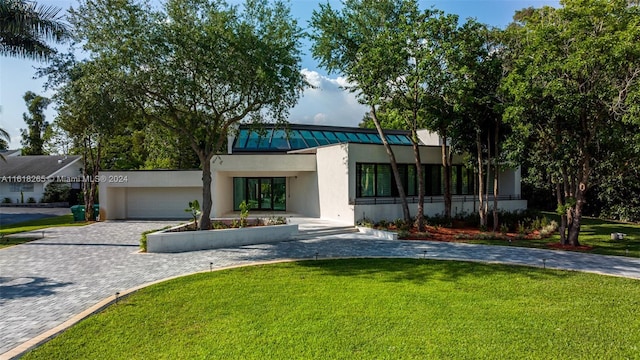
<point x="333" y="173"/>
<point x="25" y="177"/>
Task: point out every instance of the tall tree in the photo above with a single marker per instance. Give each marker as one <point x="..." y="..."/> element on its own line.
<point x="91" y="114"/>
<point x="476" y="67"/>
<point x="26" y="27"/>
<point x="573" y="81"/>
<point x="33" y="136"/>
<point x="198" y="67"/>
<point x="364" y="41"/>
<point x="4" y="142"/>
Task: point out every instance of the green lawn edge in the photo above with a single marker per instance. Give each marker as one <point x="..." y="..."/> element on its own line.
<point x="34" y="225"/>
<point x="365" y="308"/>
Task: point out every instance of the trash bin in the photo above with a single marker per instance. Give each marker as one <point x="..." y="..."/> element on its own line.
<point x="78" y="212"/>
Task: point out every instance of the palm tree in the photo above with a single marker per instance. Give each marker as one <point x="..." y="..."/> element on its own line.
<point x="4" y="137"/>
<point x="26" y="27"/>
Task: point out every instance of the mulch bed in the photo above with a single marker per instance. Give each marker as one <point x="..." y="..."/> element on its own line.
<point x="452" y="235"/>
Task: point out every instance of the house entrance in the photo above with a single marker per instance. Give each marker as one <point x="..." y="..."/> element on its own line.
<point x="260" y="193"/>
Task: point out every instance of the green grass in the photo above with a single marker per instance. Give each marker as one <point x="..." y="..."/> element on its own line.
<point x="366" y="309"/>
<point x="593" y="232"/>
<point x="8" y="242"/>
<point x="64" y="220"/>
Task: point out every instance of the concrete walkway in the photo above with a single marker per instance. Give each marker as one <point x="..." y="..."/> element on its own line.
<point x="46" y="282"/>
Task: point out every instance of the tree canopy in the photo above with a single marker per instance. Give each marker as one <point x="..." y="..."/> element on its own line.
<point x="573" y="78"/>
<point x="197" y="67"/>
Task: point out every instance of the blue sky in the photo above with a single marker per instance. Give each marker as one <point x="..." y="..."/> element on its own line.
<point x="328" y="104"/>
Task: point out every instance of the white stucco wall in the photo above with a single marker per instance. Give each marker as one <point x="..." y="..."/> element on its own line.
<point x="298" y="169"/>
<point x="302" y="194"/>
<point x="15" y="196"/>
<point x="154" y="194"/>
<point x="333" y="182"/>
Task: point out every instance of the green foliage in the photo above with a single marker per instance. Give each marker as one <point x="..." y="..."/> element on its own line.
<point x="244" y="213"/>
<point x="26" y="27"/>
<point x="56" y="192"/>
<point x="194" y="210"/>
<point x="64" y="220"/>
<point x="197" y="68"/>
<point x="331" y="310"/>
<point x="6" y="200"/>
<point x="31" y="200"/>
<point x="365" y="222"/>
<point x="33" y="137"/>
<point x="570" y="93"/>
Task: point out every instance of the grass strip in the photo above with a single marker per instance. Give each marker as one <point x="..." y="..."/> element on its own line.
<point x="594" y="233"/>
<point x="25" y="226"/>
<point x="369" y="309"/>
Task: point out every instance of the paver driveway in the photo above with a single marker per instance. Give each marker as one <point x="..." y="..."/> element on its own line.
<point x="46" y="282"/>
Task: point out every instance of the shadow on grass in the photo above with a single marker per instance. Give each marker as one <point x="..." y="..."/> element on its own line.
<point x="25" y="287"/>
<point x="421" y="271"/>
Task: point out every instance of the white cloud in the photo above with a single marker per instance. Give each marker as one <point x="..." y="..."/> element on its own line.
<point x="327" y="103"/>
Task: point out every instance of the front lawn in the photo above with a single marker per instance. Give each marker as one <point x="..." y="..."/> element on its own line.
<point x="366" y="309"/>
<point x="33" y="225"/>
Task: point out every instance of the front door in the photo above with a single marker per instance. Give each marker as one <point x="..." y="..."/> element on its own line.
<point x="264" y="193"/>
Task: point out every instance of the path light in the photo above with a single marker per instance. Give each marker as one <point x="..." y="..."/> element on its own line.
<point x="117" y="297"/>
<point x="210" y="266"/>
<point x="425" y="254"/>
<point x="544" y="263"/>
<point x="43" y="234"/>
<point x="316" y="255"/>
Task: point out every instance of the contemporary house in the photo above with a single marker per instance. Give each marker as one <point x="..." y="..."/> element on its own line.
<point x="336" y="173"/>
<point x="26" y="177"/>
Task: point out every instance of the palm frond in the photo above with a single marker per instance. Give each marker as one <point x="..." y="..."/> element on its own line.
<point x="25" y="28"/>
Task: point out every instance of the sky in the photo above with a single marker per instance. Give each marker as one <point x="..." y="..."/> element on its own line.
<point x="327" y="104"/>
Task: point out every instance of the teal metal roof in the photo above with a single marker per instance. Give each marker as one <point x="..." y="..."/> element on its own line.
<point x="296" y="137"/>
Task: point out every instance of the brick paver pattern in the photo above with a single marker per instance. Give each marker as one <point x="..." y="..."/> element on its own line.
<point x="45" y="282"/>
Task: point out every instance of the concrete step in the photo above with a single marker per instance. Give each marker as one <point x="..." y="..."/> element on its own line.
<point x="313" y="233"/>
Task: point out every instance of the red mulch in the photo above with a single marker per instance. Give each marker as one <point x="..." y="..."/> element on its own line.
<point x="559" y="246"/>
<point x="449" y="235"/>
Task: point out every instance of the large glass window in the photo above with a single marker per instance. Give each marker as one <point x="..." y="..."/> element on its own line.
<point x="260" y="193"/>
<point x="383" y="180"/>
<point x="366" y="177"/>
<point x="377" y="180"/>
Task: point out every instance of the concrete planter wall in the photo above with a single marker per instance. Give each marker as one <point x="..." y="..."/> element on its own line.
<point x="172" y="242"/>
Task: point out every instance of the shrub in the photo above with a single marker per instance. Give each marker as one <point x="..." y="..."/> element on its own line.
<point x="217" y="225"/>
<point x="244" y="213"/>
<point x="6" y="200"/>
<point x="382" y="224"/>
<point x="31" y="200"/>
<point x="365" y="222"/>
<point x="56" y="192"/>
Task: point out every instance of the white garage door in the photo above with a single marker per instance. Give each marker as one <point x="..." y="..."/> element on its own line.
<point x="160" y="203"/>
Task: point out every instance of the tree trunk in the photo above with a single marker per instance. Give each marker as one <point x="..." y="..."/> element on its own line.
<point x="495" y="177"/>
<point x="563" y="216"/>
<point x="419" y="223"/>
<point x="481" y="210"/>
<point x="574" y="229"/>
<point x="394" y="166"/>
<point x="486" y="190"/>
<point x="446" y="167"/>
<point x="207" y="201"/>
